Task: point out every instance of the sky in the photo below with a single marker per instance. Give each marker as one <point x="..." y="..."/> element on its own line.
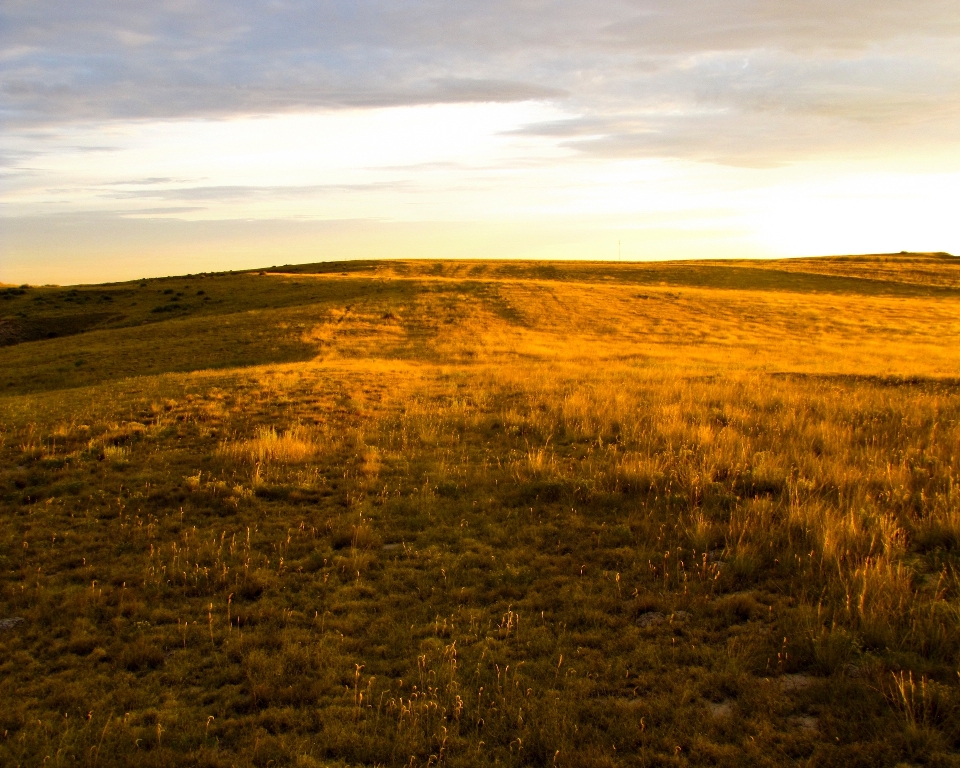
<point x="145" y="139"/>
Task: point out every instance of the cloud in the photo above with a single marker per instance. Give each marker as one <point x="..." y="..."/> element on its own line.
<point x="167" y="211"/>
<point x="691" y="26"/>
<point x="762" y="107"/>
<point x="692" y="78"/>
<point x="13" y="159"/>
<point x="144" y="182"/>
<point x="224" y="193"/>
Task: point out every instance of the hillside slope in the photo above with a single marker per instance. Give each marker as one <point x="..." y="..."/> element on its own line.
<point x="777" y="314"/>
<point x="484" y="513"/>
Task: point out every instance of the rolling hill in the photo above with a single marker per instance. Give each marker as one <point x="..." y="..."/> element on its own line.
<point x="484" y="513"/>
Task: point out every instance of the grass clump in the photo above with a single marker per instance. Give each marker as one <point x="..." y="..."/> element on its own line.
<point x="292" y="446"/>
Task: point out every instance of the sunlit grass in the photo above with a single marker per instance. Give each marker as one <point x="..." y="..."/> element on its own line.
<point x="494" y="519"/>
<point x="292" y="446"/>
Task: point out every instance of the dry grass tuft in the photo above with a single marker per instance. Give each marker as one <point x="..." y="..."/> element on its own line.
<point x="293" y="446"/>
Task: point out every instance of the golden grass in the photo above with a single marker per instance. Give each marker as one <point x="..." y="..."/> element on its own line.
<point x="496" y="518"/>
<point x="292" y="446"/>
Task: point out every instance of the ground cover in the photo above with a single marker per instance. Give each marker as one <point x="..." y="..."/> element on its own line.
<point x="486" y="513"/>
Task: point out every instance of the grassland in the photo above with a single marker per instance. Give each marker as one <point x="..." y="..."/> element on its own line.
<point x="484" y="513"/>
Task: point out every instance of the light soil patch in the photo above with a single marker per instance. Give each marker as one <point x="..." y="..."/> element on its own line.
<point x="796" y="682"/>
<point x="721" y="709"/>
<point x="806" y="723"/>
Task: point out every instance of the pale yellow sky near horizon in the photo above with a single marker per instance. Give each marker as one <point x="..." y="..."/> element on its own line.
<point x="449" y="181"/>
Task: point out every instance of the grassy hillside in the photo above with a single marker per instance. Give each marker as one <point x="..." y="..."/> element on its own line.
<point x="484" y="513"/>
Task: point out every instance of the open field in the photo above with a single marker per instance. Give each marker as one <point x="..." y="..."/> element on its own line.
<point x="484" y="513"/>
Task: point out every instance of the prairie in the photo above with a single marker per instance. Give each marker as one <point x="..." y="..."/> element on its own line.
<point x="484" y="513"/>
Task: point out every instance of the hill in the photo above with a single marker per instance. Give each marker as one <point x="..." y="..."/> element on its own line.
<point x="469" y="513"/>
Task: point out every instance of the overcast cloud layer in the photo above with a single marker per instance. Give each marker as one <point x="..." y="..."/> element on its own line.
<point x="763" y="126"/>
<point x="725" y="80"/>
